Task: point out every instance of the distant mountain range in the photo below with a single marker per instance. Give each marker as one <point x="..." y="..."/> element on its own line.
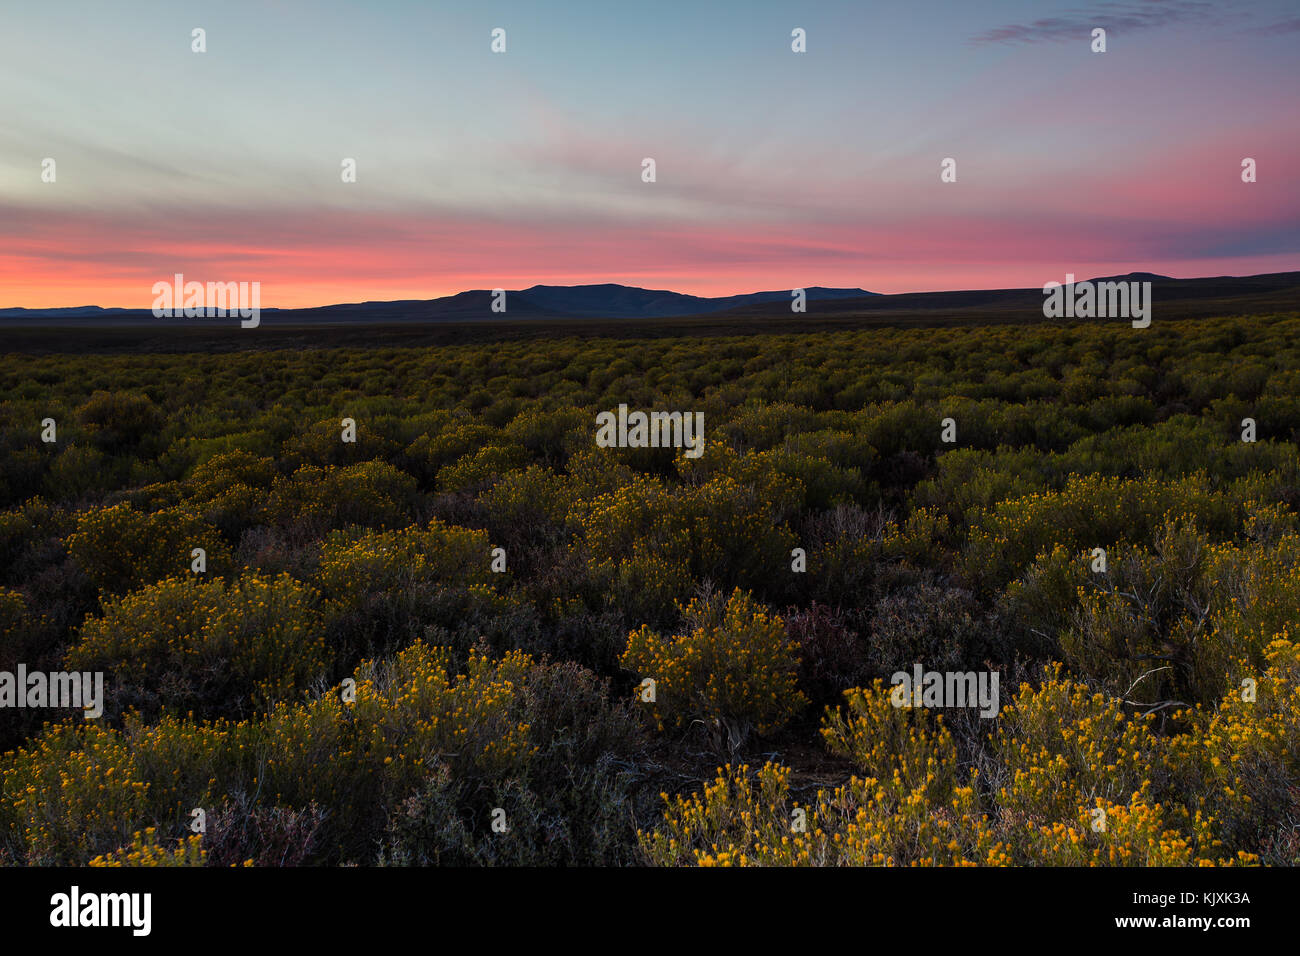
<point x="606" y="301"/>
<point x="1174" y="298"/>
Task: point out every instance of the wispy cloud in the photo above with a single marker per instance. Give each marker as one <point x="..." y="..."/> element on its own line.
<point x="1285" y="26"/>
<point x="1117" y="17"/>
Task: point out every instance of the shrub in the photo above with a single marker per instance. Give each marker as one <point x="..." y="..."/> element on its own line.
<point x="321" y="443"/>
<point x="212" y="647"/>
<point x="13" y="628"/>
<point x="739" y="821"/>
<point x="373" y="494"/>
<point x="651" y="542"/>
<point x="386" y="586"/>
<point x="1241" y="758"/>
<point x="904" y="749"/>
<point x="145" y="850"/>
<point x="121" y="548"/>
<point x="78" y="472"/>
<point x="528" y="505"/>
<point x="1092" y="512"/>
<point x="356" y="558"/>
<point x="81" y="790"/>
<point x="1062" y="744"/>
<point x="232" y="490"/>
<point x="735" y="668"/>
<point x="118" y="421"/>
<point x="832" y="658"/>
<point x="240" y="832"/>
<point x="72" y="794"/>
<point x="481" y="468"/>
<point x="939" y="627"/>
<point x="570" y="804"/>
<point x="431" y="452"/>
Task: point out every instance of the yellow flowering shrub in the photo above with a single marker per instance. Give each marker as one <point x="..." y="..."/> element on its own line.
<point x="1257" y="590"/>
<point x="634" y="542"/>
<point x="229" y="469"/>
<point x="1241" y="759"/>
<point x="355" y="562"/>
<point x="1091" y="511"/>
<point x="529" y="498"/>
<point x="905" y="748"/>
<point x="737" y="530"/>
<point x="80" y="790"/>
<point x="775" y="476"/>
<point x="481" y="467"/>
<point x="1062" y="744"/>
<point x="1115" y="834"/>
<point x="737" y="816"/>
<point x="121" y="548"/>
<point x="441" y="446"/>
<point x="71" y="794"/>
<point x="320" y="442"/>
<point x="742" y="821"/>
<point x="216" y="647"/>
<point x="146" y="850"/>
<point x="117" y="419"/>
<point x="374" y="494"/>
<point x="20" y="528"/>
<point x="1074" y="780"/>
<point x="13" y="626"/>
<point x="651" y="542"/>
<point x="1164" y="622"/>
<point x="232" y="489"/>
<point x="919" y="538"/>
<point x="735" y="669"/>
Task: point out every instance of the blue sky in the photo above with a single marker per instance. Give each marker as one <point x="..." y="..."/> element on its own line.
<point x="774" y="169"/>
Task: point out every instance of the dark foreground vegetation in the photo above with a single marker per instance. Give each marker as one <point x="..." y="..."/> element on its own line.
<point x="350" y="679"/>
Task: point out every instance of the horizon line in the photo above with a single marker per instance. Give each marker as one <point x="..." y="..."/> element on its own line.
<point x="446" y="295"/>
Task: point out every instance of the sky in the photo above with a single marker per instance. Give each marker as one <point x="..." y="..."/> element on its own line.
<point x="773" y="169"/>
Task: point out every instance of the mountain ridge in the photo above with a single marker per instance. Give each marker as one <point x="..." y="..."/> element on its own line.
<point x="609" y="300"/>
<point x="628" y="305"/>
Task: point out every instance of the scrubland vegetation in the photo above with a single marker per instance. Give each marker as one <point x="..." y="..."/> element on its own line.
<point x="350" y="681"/>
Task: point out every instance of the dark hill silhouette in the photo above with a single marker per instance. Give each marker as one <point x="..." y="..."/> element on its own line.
<point x="628" y="302"/>
<point x="627" y="307"/>
<point x="606" y="301"/>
